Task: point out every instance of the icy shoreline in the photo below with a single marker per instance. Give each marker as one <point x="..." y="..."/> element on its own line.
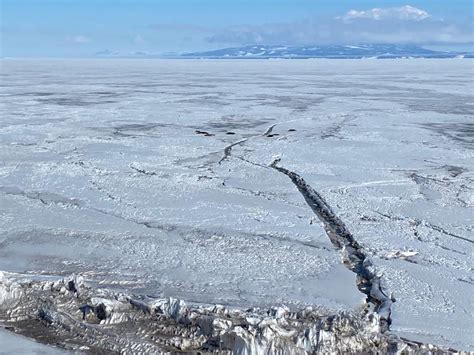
<point x="70" y="314"/>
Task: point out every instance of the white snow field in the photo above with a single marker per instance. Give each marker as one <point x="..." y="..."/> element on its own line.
<point x="154" y="178"/>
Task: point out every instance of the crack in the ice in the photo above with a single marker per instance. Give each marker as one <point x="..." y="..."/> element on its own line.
<point x="143" y="171"/>
<point x="445" y="232"/>
<point x="101" y="189"/>
<point x="46" y="198"/>
<point x="356" y="260"/>
<point x="147" y="224"/>
<point x="428" y="225"/>
<point x="183" y="232"/>
<point x="450" y="249"/>
<point x="252" y="163"/>
<point x="466" y="281"/>
<point x="294" y="241"/>
<point x="266" y="195"/>
<point x="228" y="148"/>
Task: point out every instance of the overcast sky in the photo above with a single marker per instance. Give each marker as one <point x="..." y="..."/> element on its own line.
<point x="76" y="28"/>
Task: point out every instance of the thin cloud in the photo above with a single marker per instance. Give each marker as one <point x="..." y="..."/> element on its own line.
<point x="403" y="13"/>
<point x="177" y="27"/>
<point x="405" y="24"/>
<point x="138" y="40"/>
<point x="80" y="39"/>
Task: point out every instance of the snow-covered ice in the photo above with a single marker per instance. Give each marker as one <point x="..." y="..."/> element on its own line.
<point x="16" y="344"/>
<point x="153" y="177"/>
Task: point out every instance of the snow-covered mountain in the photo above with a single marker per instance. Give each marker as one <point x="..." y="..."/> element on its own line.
<point x="327" y="51"/>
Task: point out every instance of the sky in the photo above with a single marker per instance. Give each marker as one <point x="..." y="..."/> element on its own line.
<point x="83" y="28"/>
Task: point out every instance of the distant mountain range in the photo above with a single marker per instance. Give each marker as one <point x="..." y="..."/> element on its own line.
<point x="379" y="51"/>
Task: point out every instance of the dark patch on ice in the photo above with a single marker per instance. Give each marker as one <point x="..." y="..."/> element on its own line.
<point x="297" y="103"/>
<point x="439" y="103"/>
<point x="105" y="93"/>
<point x="454" y="171"/>
<point x="334" y="131"/>
<point x="136" y="127"/>
<point x="459" y="132"/>
<point x="71" y="286"/>
<point x="235" y="122"/>
<point x="416" y="99"/>
<point x="199" y="161"/>
<point x="75" y="99"/>
<point x="101" y="312"/>
<point x="131" y="130"/>
<point x="74" y="102"/>
<point x="39" y="94"/>
<point x="139" y="129"/>
<point x="203" y="100"/>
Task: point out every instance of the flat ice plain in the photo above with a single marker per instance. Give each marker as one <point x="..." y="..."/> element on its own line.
<point x="153" y="177"/>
